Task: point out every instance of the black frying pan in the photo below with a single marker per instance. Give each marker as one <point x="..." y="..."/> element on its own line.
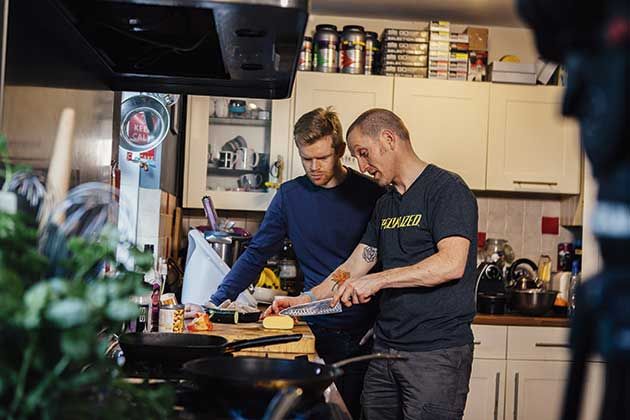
<point x="174" y="349"/>
<point x="264" y="377"/>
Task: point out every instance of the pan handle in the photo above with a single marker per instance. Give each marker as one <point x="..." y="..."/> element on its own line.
<point x="262" y="341"/>
<point x="367" y="357"/>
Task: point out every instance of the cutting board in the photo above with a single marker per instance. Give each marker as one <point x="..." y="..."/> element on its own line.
<point x="246" y="331"/>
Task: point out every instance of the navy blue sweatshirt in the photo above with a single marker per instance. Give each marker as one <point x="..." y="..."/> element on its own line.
<point x="324" y="225"/>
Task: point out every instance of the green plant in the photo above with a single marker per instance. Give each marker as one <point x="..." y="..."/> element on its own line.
<point x="54" y="331"/>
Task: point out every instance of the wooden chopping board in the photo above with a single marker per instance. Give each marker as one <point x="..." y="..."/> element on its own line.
<point x="246" y="331"/>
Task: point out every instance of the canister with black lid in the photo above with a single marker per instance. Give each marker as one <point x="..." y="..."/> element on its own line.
<point x="372" y="49"/>
<point x="325" y="48"/>
<point x="352" y="50"/>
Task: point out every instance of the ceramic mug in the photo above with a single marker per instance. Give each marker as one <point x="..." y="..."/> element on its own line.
<point x="250" y="181"/>
<point x="227" y="159"/>
<point x="221" y="108"/>
<point x="246" y="158"/>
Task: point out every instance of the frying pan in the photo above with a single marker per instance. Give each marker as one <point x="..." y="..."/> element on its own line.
<point x="173" y="349"/>
<point x="264" y="377"/>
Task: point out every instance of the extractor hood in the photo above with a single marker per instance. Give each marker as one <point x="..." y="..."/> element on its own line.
<point x="246" y="48"/>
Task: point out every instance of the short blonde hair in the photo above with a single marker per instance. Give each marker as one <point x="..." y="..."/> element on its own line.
<point x="317" y="124"/>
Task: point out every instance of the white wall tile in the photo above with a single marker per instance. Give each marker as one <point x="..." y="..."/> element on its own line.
<point x="551" y="208"/>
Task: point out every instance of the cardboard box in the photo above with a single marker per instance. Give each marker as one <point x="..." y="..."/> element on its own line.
<point x="397" y="70"/>
<point x="413" y="33"/>
<point x="439" y="46"/>
<point x="438" y="74"/>
<point x="458" y="46"/>
<point x="440" y="25"/>
<point x="477" y="38"/>
<point x="477" y="63"/>
<point x="405" y="60"/>
<point x="503" y="72"/>
<point x="420" y="47"/>
<point x="439" y="36"/>
<point x="455" y="37"/>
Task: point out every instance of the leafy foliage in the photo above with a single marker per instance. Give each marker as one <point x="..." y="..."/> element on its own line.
<point x="54" y="331"/>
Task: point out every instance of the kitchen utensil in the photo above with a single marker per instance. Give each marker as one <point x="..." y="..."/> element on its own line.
<point x="175" y="349"/>
<point x="498" y="251"/>
<point x="318" y="307"/>
<point x="250" y="181"/>
<point x="227" y="159"/>
<point x="489" y="278"/>
<point x="246" y="158"/>
<point x="232" y="317"/>
<point x="145" y="121"/>
<point x="522" y="275"/>
<point x="491" y="303"/>
<point x="221" y="107"/>
<point x="210" y="212"/>
<point x="532" y="302"/>
<point x="263" y="377"/>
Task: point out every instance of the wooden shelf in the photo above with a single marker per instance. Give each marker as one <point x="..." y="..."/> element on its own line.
<point x="240" y="122"/>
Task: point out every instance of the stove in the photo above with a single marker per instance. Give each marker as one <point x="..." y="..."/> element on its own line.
<point x="193" y="403"/>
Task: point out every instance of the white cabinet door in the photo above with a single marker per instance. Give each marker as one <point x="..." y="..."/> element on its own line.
<point x="486" y="397"/>
<point x="448" y="124"/>
<point x="531" y="147"/>
<point x="349" y="94"/>
<point x="535" y="390"/>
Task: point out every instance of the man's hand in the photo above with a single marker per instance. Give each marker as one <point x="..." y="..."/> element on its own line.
<point x="356" y="291"/>
<point x="191" y="309"/>
<point x="283" y="302"/>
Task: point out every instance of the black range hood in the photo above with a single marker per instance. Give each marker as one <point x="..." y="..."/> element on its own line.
<point x="223" y="47"/>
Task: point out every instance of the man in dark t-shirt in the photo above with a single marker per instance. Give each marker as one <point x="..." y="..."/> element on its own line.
<point x="424" y="232"/>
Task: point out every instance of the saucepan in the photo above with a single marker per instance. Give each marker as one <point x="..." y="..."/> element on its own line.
<point x="173" y="349"/>
<point x="264" y="377"/>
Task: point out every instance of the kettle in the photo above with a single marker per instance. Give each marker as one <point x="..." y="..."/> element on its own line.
<point x="522" y="275"/>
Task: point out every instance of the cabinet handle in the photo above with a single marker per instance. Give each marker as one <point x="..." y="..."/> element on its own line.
<point x="557" y="345"/>
<point x="548" y="184"/>
<point x="476" y="343"/>
<point x="516" y="396"/>
<point x="496" y="396"/>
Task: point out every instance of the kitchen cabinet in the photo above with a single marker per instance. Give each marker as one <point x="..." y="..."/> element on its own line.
<point x="349" y="95"/>
<point x="531" y="147"/>
<point x="486" y="395"/>
<point x="200" y="179"/>
<point x="535" y="390"/>
<point x="448" y="124"/>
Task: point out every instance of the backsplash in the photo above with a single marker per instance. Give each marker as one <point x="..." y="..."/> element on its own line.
<point x="517" y="219"/>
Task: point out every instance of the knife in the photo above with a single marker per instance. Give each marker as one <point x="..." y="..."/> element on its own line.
<point x="318" y="307"/>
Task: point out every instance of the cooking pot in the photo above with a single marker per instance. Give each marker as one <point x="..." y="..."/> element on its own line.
<point x="493" y="304"/>
<point x="532" y="302"/>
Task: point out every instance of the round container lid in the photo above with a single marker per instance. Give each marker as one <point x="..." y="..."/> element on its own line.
<point x="353" y="28"/>
<point x="326" y="27"/>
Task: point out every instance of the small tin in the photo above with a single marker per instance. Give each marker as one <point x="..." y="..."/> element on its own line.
<point x="305" y="62"/>
<point x="172" y="318"/>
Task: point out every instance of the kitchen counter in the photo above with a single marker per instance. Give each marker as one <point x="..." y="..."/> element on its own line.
<point x="521" y="320"/>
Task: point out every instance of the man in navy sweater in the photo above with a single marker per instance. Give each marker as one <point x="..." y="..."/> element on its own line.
<point x="324" y="214"/>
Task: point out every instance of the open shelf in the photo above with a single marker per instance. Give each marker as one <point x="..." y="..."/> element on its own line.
<point x="234" y="172"/>
<point x="240" y="121"/>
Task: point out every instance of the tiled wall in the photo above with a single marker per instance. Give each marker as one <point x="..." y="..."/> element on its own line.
<point x="519" y="220"/>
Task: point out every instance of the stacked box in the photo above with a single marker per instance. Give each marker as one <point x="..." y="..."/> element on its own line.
<point x="405" y="52"/>
<point x="458" y="57"/>
<point x="439" y="37"/>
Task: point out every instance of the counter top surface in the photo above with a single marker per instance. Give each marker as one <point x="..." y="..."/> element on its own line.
<point x="521" y="320"/>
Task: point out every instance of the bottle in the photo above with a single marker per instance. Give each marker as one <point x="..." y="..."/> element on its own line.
<point x="287" y="265"/>
<point x="573" y="287"/>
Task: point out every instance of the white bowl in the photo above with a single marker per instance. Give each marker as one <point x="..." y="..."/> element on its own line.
<point x="265" y="295"/>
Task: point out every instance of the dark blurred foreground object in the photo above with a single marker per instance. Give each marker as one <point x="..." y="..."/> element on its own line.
<point x="593" y="40"/>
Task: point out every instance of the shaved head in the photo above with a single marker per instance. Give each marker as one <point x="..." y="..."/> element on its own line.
<point x="373" y="121"/>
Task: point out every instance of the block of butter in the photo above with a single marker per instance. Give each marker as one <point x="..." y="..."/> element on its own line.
<point x="278" y="322"/>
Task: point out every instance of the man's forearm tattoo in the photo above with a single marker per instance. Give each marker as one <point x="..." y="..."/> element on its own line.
<point x="369" y="254"/>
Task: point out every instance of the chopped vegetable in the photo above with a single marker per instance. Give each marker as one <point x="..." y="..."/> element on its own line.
<point x="201" y="322"/>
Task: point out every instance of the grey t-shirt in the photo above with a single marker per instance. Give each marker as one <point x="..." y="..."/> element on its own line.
<point x="406" y="229"/>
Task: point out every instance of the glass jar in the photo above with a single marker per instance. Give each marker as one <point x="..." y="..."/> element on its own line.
<point x="498" y="251"/>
